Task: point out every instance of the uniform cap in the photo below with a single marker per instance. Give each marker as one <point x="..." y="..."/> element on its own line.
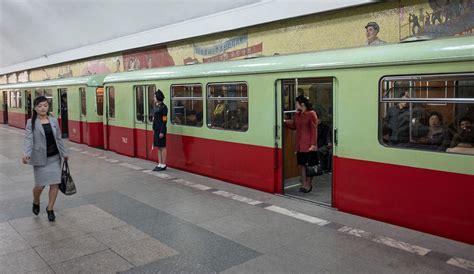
<point x="374" y="25"/>
<point x="159" y="95"/>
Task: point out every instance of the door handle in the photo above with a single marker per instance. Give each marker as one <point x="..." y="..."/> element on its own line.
<point x="335" y="136"/>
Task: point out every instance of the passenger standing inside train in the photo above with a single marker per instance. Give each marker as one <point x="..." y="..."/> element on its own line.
<point x="43" y="148"/>
<point x="305" y="123"/>
<point x="398" y="120"/>
<point x="160" y="117"/>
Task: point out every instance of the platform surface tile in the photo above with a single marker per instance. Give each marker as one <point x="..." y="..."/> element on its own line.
<point x="126" y="218"/>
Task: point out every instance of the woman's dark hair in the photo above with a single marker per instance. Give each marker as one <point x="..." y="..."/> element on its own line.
<point x="36" y="102"/>
<point x="435" y="113"/>
<point x="303" y="100"/>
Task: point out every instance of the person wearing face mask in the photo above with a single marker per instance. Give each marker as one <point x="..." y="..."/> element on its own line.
<point x="43" y="148"/>
<point x="305" y="123"/>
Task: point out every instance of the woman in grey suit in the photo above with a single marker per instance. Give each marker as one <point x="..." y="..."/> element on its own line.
<point x="43" y="148"/>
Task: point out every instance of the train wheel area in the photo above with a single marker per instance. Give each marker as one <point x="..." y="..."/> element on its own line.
<point x="126" y="217"/>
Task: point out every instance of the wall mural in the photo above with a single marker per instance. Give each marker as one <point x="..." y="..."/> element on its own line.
<point x="146" y="59"/>
<point x="370" y="25"/>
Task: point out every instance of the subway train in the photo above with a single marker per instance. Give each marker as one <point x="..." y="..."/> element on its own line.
<point x="226" y="122"/>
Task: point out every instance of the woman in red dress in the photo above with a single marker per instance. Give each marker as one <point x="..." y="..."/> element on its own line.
<point x="305" y="122"/>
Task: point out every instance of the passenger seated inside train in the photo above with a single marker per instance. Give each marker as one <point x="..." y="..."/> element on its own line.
<point x="436" y="135"/>
<point x="191" y="118"/>
<point x="217" y="117"/>
<point x="463" y="124"/>
<point x="466" y="142"/>
<point x="178" y="113"/>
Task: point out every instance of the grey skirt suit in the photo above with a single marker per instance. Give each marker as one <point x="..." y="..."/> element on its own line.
<point x="47" y="170"/>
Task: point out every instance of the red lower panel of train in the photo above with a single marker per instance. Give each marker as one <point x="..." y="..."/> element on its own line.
<point x="3" y="115"/>
<point x="432" y="201"/>
<point x="217" y="159"/>
<point x="86" y="133"/>
<point x="17" y="119"/>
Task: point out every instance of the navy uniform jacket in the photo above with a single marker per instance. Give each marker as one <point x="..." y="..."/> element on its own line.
<point x="160" y="117"/>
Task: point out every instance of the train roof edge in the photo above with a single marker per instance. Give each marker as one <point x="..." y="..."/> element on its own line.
<point x="90" y="80"/>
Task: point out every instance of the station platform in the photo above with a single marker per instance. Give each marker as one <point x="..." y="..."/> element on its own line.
<point x="127" y="218"/>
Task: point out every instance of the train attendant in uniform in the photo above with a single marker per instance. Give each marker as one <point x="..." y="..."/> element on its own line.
<point x="43" y="148"/>
<point x="160" y="117"/>
<point x="305" y="123"/>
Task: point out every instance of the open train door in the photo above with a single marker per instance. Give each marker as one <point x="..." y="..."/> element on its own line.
<point x="5" y="107"/>
<point x="320" y="93"/>
<point x="63" y="112"/>
<point x="143" y="98"/>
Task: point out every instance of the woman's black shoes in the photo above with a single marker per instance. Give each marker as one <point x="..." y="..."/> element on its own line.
<point x="36" y="209"/>
<point x="51" y="216"/>
<point x="307" y="190"/>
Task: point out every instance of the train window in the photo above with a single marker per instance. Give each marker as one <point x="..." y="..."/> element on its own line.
<point x="82" y="92"/>
<point x="15" y="99"/>
<point x="151" y="102"/>
<point x="139" y="103"/>
<point x="227" y="106"/>
<point x="99" y="97"/>
<point x="111" y="101"/>
<point x="186" y="104"/>
<point x="429" y="112"/>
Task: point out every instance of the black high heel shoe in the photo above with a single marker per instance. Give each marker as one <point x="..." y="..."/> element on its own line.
<point x="36" y="209"/>
<point x="308" y="190"/>
<point x="51" y="216"/>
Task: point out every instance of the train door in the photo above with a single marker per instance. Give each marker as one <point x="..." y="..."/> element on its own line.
<point x="109" y="114"/>
<point x="320" y="93"/>
<point x="28" y="104"/>
<point x="99" y="101"/>
<point x="63" y="112"/>
<point x="83" y="128"/>
<point x="5" y="107"/>
<point x="143" y="97"/>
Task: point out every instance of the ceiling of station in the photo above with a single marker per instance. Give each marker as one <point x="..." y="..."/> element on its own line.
<point x="33" y="28"/>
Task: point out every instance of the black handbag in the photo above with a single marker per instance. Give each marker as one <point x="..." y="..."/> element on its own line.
<point x="67" y="185"/>
<point x="316" y="170"/>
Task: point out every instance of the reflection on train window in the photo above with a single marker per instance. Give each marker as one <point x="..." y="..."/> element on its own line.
<point x="99" y="97"/>
<point x="227" y="106"/>
<point x="15" y="99"/>
<point x="139" y="103"/>
<point x="48" y="93"/>
<point x="434" y="112"/>
<point x="111" y="101"/>
<point x="151" y="102"/>
<point x="82" y="92"/>
<point x="186" y="105"/>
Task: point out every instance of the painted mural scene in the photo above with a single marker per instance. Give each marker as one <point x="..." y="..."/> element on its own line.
<point x="246" y="136"/>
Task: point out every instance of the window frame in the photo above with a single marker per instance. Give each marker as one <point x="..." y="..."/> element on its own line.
<point x="83" y="111"/>
<point x="173" y="98"/>
<point x="110" y="117"/>
<point x="383" y="101"/>
<point x="228" y="99"/>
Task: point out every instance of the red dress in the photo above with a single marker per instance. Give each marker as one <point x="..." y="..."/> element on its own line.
<point x="306" y="125"/>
